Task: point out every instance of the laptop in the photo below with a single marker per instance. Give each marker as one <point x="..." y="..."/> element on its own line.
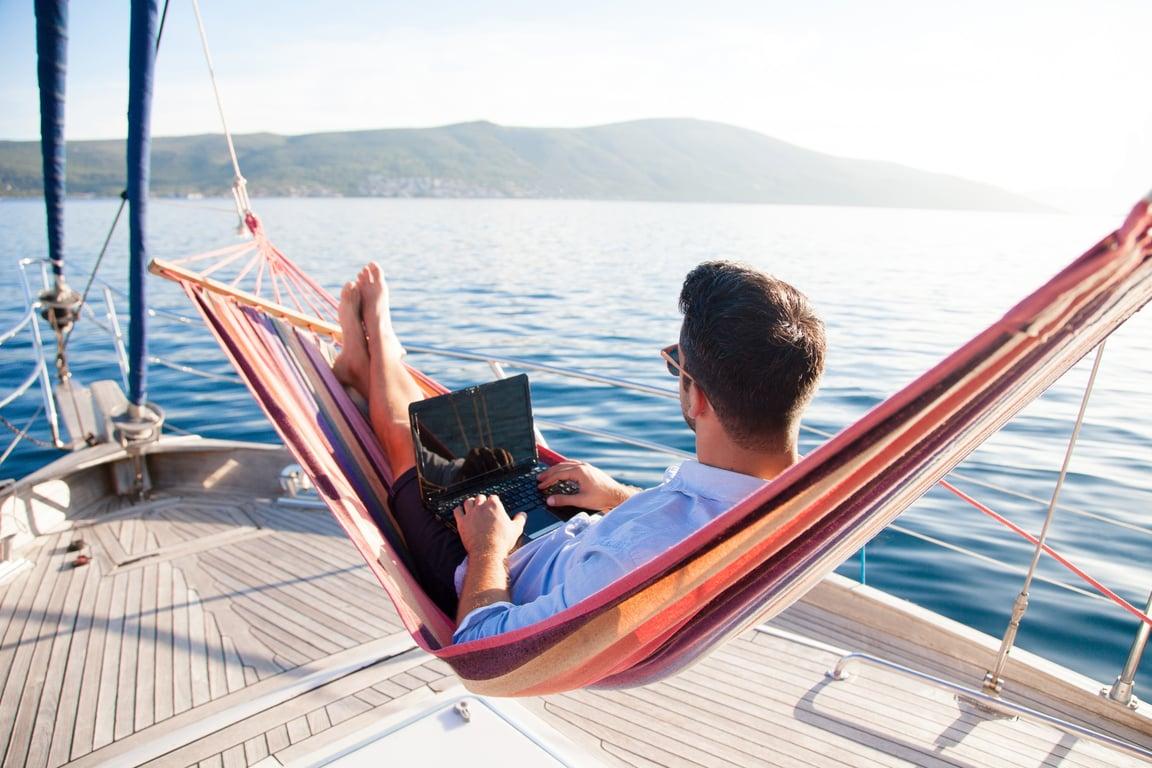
<point x="481" y="440"/>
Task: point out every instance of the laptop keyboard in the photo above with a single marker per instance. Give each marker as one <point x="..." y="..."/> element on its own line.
<point x="518" y="494"/>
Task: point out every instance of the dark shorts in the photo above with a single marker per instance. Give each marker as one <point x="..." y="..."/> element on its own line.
<point x="435" y="548"/>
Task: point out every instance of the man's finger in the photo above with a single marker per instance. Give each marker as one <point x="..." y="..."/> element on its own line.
<point x="565" y="500"/>
<point x="553" y="474"/>
<point x="519" y="520"/>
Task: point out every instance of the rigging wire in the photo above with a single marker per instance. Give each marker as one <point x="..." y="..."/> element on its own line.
<point x="993" y="680"/>
<point x="95" y="269"/>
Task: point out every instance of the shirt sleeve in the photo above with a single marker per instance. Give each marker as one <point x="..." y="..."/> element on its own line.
<point x="599" y="568"/>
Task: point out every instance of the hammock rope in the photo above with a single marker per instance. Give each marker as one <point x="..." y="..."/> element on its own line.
<point x="749" y="563"/>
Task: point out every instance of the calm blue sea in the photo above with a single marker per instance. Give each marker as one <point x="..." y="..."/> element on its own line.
<point x="593" y="285"/>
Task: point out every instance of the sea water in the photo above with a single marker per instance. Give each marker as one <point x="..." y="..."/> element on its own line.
<point x="593" y="286"/>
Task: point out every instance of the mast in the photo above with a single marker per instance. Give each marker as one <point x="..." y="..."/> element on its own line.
<point x="51" y="65"/>
<point x="141" y="63"/>
<point x="59" y="303"/>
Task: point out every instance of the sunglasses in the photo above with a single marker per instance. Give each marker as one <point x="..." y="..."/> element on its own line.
<point x="671" y="355"/>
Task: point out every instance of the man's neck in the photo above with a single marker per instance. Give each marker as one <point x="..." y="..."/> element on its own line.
<point x="765" y="465"/>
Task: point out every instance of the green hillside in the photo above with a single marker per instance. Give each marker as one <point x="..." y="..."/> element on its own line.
<point x="669" y="160"/>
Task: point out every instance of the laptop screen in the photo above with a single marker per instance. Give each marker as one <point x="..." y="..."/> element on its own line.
<point x="477" y="433"/>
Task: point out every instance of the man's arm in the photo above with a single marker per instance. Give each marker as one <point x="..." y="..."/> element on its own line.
<point x="596" y="490"/>
<point x="489" y="536"/>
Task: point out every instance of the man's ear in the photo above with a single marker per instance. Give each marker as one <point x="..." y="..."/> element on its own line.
<point x="698" y="403"/>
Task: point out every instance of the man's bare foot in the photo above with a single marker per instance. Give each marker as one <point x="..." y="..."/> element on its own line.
<point x="375" y="311"/>
<point x="351" y="365"/>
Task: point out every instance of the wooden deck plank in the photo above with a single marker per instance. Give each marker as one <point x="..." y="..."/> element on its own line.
<point x="105" y="728"/>
<point x="22" y="614"/>
<point x="768" y="726"/>
<point x="926" y="714"/>
<point x="305" y="613"/>
<point x="52" y="697"/>
<point x="372" y="697"/>
<point x="198" y="650"/>
<point x="654" y="746"/>
<point x="125" y="720"/>
<point x="676" y="727"/>
<point x="234" y="757"/>
<point x="233" y="667"/>
<point x="181" y="645"/>
<point x="252" y="651"/>
<point x="278" y="738"/>
<point x="145" y="712"/>
<point x="93" y="665"/>
<point x="298" y="590"/>
<point x="318" y="720"/>
<point x="255" y="749"/>
<point x="308" y="633"/>
<point x="342" y="564"/>
<point x="127" y="535"/>
<point x="69" y="696"/>
<point x="345" y="709"/>
<point x="217" y="671"/>
<point x="31" y="661"/>
<point x="329" y="544"/>
<point x="425" y="674"/>
<point x="837" y="705"/>
<point x="902" y="697"/>
<point x="914" y="655"/>
<point x="276" y="640"/>
<point x="390" y="689"/>
<point x="164" y="698"/>
<point x="17" y="601"/>
<point x="215" y="761"/>
<point x="298" y="729"/>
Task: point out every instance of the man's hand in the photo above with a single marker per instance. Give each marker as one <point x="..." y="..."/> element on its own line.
<point x="485" y="528"/>
<point x="489" y="535"/>
<point x="596" y="489"/>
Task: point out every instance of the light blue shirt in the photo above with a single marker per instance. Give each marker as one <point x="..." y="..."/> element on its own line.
<point x="590" y="552"/>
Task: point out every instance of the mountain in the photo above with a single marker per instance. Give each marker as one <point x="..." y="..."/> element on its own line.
<point x="662" y="159"/>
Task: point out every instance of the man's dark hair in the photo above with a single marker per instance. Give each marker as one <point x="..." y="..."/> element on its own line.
<point x="754" y="346"/>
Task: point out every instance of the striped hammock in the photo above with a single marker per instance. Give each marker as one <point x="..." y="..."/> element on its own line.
<point x="748" y="564"/>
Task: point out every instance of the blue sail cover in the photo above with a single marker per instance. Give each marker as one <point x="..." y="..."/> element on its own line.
<point x="141" y="63"/>
<point x="51" y="64"/>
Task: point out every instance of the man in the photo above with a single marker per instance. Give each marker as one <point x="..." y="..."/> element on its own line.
<point x="749" y="358"/>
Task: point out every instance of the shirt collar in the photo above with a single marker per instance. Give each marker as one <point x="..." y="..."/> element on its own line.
<point x="708" y="482"/>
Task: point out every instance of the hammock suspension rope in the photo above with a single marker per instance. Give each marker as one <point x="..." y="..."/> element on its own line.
<point x="239" y="183"/>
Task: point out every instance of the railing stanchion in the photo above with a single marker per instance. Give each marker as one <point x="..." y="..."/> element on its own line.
<point x="38" y="345"/>
<point x="1121" y="690"/>
<point x="118" y="336"/>
<point x="993" y="680"/>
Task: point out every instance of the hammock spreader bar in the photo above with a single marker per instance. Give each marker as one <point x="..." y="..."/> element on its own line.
<point x="751" y="562"/>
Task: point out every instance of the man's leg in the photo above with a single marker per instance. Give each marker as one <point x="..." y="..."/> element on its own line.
<point x="371" y="362"/>
<point x="391" y="387"/>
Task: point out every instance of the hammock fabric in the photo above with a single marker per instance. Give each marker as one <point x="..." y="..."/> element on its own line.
<point x="751" y="562"/>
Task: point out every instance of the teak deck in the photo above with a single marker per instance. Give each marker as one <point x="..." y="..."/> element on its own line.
<point x="217" y="630"/>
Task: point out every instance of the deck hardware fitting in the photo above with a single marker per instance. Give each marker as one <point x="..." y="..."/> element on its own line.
<point x="1121" y="690"/>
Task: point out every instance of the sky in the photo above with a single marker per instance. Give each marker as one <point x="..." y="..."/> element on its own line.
<point x="1047" y="99"/>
